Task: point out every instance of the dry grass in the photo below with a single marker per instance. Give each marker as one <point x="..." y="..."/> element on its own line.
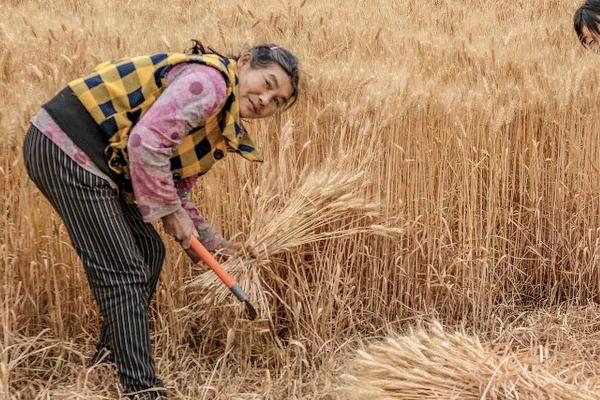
<point x="472" y="124"/>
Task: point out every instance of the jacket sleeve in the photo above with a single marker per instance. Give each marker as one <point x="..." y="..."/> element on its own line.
<point x="193" y="93"/>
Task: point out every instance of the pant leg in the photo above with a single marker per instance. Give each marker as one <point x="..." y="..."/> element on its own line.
<point x="149" y="242"/>
<point x="153" y="250"/>
<point x="115" y="267"/>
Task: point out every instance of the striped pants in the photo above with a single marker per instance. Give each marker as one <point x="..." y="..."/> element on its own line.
<point x="122" y="256"/>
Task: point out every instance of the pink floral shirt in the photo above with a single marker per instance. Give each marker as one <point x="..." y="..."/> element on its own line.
<point x="194" y="92"/>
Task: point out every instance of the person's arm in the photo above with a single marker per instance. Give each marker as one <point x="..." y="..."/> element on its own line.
<point x="208" y="236"/>
<point x="194" y="92"/>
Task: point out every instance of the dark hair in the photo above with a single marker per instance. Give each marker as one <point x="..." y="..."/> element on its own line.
<point x="587" y="16"/>
<point x="263" y="56"/>
<point x="198" y="48"/>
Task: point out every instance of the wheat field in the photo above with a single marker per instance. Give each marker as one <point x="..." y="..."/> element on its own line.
<point x="449" y="149"/>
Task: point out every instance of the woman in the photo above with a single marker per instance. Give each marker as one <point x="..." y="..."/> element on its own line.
<point x="585" y="22"/>
<point x="120" y="148"/>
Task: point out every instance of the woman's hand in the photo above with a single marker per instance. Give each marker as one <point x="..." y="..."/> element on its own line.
<point x="231" y="248"/>
<point x="179" y="225"/>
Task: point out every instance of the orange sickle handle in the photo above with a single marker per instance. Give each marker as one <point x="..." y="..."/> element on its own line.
<point x="208" y="258"/>
<point x="197" y="249"/>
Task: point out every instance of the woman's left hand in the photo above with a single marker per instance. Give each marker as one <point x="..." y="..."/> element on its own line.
<point x="232" y="248"/>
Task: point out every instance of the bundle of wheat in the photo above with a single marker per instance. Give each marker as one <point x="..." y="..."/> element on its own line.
<point x="332" y="197"/>
<point x="434" y="364"/>
<point x="288" y="219"/>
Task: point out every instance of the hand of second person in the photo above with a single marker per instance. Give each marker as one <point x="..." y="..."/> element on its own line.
<point x="179" y="225"/>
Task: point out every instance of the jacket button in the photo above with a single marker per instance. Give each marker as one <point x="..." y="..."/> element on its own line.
<point x="218" y="154"/>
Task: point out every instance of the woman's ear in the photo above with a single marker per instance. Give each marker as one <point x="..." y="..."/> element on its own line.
<point x="244" y="60"/>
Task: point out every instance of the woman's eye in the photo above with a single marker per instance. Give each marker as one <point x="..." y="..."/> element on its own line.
<point x="268" y="84"/>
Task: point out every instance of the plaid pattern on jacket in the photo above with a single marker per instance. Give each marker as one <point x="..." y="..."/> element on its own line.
<point x="117" y="94"/>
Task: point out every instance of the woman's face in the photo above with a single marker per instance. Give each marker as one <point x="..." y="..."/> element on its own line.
<point x="262" y="91"/>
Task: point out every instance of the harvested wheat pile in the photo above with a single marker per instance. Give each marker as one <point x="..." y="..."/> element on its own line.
<point x="434" y="364"/>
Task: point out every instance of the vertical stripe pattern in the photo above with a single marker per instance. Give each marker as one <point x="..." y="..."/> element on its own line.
<point x="122" y="256"/>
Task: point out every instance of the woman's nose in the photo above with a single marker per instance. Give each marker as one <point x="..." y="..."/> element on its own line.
<point x="265" y="99"/>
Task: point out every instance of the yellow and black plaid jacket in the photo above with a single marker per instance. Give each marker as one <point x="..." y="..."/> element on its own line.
<point x="117" y="94"/>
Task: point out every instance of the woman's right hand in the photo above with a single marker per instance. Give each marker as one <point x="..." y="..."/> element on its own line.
<point x="179" y="225"/>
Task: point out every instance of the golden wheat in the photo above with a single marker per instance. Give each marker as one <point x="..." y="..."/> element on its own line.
<point x="473" y="125"/>
<point x="434" y="364"/>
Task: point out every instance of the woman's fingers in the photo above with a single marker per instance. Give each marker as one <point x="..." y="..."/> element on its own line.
<point x="250" y="249"/>
<point x="228" y="249"/>
<point x="185" y="243"/>
<point x="179" y="225"/>
<point x="231" y="248"/>
<point x="187" y="230"/>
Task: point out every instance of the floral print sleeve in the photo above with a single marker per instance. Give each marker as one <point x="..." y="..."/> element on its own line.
<point x="193" y="92"/>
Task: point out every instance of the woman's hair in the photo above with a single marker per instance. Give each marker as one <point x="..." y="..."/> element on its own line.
<point x="587" y="16"/>
<point x="263" y="56"/>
